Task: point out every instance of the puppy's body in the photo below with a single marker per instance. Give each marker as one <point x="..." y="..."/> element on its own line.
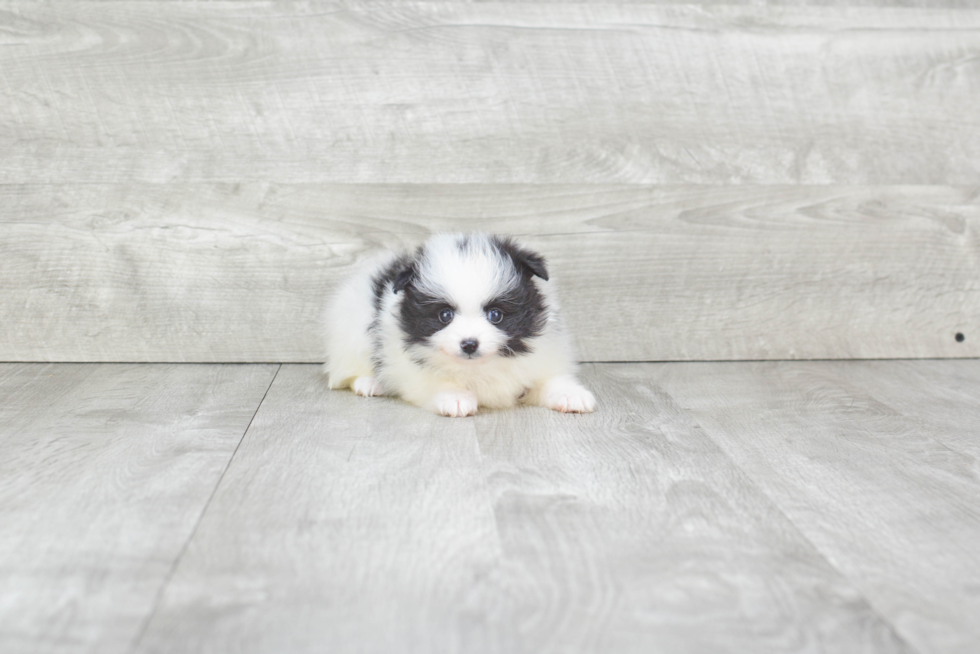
<point x="465" y="321"/>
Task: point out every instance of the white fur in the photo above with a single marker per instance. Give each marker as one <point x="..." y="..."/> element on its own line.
<point x="448" y="382"/>
<point x="348" y="316"/>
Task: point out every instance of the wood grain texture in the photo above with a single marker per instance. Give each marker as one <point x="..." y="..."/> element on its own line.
<point x="423" y="92"/>
<point x="629" y="530"/>
<point x="214" y="272"/>
<point x="876" y="489"/>
<point x="925" y="4"/>
<point x="367" y="525"/>
<point x="104" y="472"/>
<point x="943" y="397"/>
<point x="343" y="524"/>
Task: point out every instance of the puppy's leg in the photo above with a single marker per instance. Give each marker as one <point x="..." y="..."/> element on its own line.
<point x="367" y="386"/>
<point x="564" y="393"/>
<point x="455" y="404"/>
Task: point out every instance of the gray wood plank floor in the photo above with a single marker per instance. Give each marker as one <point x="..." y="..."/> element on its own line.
<point x="104" y="472"/>
<point x="878" y="487"/>
<point x="705" y="507"/>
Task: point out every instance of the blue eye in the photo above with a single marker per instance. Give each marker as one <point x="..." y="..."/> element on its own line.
<point x="446" y="316"/>
<point x="494" y="316"/>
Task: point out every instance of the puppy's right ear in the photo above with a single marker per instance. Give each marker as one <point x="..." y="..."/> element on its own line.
<point x="403" y="279"/>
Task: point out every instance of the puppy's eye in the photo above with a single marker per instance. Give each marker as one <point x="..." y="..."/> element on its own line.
<point x="494" y="316"/>
<point x="446" y="316"/>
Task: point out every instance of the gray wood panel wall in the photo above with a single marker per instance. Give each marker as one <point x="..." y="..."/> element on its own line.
<point x="185" y="181"/>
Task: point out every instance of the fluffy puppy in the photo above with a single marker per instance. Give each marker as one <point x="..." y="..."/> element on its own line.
<point x="467" y="320"/>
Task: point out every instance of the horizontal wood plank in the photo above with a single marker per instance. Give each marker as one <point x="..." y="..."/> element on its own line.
<point x="239" y="272"/>
<point x="428" y="92"/>
<point x="105" y="471"/>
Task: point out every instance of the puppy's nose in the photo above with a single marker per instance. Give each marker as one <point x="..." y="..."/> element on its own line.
<point x="469" y="345"/>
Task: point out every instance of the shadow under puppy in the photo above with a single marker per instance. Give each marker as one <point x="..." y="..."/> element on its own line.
<point x="467" y="320"/>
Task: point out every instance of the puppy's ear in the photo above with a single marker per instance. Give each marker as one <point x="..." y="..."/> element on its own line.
<point x="532" y="261"/>
<point x="403" y="279"/>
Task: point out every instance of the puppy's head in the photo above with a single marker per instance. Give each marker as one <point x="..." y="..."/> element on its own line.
<point x="471" y="297"/>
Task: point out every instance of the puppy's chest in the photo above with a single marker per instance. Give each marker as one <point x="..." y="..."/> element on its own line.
<point x="498" y="388"/>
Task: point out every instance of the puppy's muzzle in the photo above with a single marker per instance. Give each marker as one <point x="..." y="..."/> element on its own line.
<point x="469" y="346"/>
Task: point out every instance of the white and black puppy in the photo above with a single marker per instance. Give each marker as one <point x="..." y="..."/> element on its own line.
<point x="467" y="320"/>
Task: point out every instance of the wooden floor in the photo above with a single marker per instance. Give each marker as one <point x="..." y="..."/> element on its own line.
<point x="705" y="507"/>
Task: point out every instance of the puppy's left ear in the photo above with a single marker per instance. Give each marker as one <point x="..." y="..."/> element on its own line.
<point x="532" y="261"/>
<point x="403" y="279"/>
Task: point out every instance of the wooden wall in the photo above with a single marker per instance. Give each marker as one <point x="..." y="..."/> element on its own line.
<point x="185" y="181"/>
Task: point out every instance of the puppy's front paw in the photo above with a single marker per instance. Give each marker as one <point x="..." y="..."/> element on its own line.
<point x="455" y="404"/>
<point x="568" y="396"/>
<point x="367" y="386"/>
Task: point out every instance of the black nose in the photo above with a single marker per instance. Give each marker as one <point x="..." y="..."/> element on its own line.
<point x="469" y="345"/>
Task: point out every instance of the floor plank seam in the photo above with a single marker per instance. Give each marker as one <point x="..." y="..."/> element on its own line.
<point x="141" y="632"/>
<point x="802" y="535"/>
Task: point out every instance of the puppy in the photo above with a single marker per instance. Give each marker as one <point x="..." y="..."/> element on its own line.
<point x="467" y="320"/>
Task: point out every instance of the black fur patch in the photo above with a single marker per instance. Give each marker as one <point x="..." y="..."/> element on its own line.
<point x="523" y="308"/>
<point x="388" y="275"/>
<point x="379" y="284"/>
<point x="524" y="260"/>
<point x="524" y="316"/>
<point x="419" y="316"/>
